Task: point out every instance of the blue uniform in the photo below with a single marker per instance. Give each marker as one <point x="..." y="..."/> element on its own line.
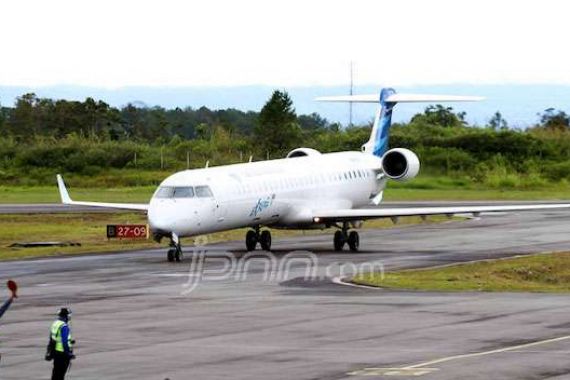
<point x="5" y="306"/>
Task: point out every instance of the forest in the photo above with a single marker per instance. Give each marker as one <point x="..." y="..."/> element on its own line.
<point x="96" y="144"/>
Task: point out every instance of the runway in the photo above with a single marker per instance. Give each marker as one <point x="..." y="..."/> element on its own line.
<point x="135" y="316"/>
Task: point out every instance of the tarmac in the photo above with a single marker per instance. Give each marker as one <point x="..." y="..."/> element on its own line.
<point x="226" y="314"/>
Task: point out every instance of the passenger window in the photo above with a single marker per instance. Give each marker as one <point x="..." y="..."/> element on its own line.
<point x="203" y="192"/>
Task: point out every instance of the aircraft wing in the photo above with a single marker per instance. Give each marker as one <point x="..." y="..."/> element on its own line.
<point x="375" y="213"/>
<point x="66" y="199"/>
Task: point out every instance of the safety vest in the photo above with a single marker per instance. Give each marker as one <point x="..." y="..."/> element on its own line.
<point x="56" y="335"/>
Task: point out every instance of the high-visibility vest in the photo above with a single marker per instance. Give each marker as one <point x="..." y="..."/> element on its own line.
<point x="55" y="331"/>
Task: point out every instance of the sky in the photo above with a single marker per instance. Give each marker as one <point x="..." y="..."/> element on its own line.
<point x="112" y="44"/>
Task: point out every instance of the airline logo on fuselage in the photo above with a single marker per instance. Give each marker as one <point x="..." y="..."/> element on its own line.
<point x="261" y="205"/>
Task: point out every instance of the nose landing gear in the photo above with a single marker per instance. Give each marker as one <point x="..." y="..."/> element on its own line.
<point x="252" y="237"/>
<point x="175" y="251"/>
<point x="342" y="237"/>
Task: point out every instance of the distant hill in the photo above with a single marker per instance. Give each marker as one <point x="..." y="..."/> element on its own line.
<point x="519" y="104"/>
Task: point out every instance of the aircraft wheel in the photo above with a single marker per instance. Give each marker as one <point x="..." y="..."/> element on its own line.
<point x="265" y="240"/>
<point x="178" y="254"/>
<point x="353" y="241"/>
<point x="339" y="241"/>
<point x="170" y="254"/>
<point x="250" y="240"/>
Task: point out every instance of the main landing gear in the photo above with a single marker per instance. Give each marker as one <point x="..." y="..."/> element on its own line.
<point x="342" y="237"/>
<point x="252" y="237"/>
<point x="175" y="251"/>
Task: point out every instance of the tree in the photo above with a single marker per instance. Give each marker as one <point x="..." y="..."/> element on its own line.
<point x="554" y="119"/>
<point x="2" y="117"/>
<point x="312" y="122"/>
<point x="23" y="122"/>
<point x="498" y="122"/>
<point x="440" y="115"/>
<point x="277" y="129"/>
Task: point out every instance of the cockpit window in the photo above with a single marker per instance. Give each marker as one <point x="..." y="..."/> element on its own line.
<point x="165" y="192"/>
<point x="175" y="192"/>
<point x="203" y="192"/>
<point x="183" y="192"/>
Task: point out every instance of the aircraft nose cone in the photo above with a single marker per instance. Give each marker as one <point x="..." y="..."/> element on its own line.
<point x="159" y="221"/>
<point x="160" y="224"/>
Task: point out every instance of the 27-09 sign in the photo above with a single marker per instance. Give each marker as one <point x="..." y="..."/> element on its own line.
<point x="127" y="231"/>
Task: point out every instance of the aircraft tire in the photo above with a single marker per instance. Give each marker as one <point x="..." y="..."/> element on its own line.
<point x="170" y="254"/>
<point x="250" y="240"/>
<point x="178" y="254"/>
<point x="265" y="240"/>
<point x="339" y="241"/>
<point x="353" y="241"/>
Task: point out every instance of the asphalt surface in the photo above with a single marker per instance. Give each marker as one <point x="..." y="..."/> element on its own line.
<point x="135" y="316"/>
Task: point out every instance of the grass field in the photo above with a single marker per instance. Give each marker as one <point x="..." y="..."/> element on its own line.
<point x="538" y="273"/>
<point x="90" y="231"/>
<point x="87" y="229"/>
<point x="50" y="194"/>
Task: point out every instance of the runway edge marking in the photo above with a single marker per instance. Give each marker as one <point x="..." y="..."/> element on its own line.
<point x="341" y="281"/>
<point x="421" y="368"/>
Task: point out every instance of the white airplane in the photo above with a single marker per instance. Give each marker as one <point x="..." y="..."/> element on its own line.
<point x="305" y="190"/>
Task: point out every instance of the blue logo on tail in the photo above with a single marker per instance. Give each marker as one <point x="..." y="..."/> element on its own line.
<point x="384" y="123"/>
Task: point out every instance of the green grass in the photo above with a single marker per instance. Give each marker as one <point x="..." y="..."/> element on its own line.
<point x="50" y="194"/>
<point x="86" y="229"/>
<point x="43" y="194"/>
<point x="538" y="273"/>
<point x="460" y="194"/>
<point x="425" y="187"/>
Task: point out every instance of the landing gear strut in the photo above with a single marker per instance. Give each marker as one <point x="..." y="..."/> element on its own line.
<point x="252" y="237"/>
<point x="175" y="251"/>
<point x="342" y="237"/>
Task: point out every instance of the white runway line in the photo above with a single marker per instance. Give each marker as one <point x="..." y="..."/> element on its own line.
<point x="484" y="353"/>
<point x="422" y="368"/>
<point x="340" y="281"/>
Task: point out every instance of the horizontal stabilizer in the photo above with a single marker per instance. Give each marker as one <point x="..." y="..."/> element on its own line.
<point x="400" y="98"/>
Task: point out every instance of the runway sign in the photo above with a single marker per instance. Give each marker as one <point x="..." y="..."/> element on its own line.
<point x="127" y="231"/>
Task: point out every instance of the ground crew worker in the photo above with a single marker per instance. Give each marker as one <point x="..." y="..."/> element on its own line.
<point x="60" y="338"/>
<point x="13" y="294"/>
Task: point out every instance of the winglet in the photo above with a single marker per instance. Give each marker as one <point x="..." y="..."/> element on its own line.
<point x="65" y="198"/>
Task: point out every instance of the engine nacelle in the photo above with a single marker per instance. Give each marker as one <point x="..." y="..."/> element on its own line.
<point x="303" y="152"/>
<point x="400" y="164"/>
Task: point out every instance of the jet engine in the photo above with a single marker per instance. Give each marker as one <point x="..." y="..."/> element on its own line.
<point x="400" y="164"/>
<point x="303" y="152"/>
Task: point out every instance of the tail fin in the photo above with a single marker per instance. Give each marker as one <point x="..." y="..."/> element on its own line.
<point x="378" y="142"/>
